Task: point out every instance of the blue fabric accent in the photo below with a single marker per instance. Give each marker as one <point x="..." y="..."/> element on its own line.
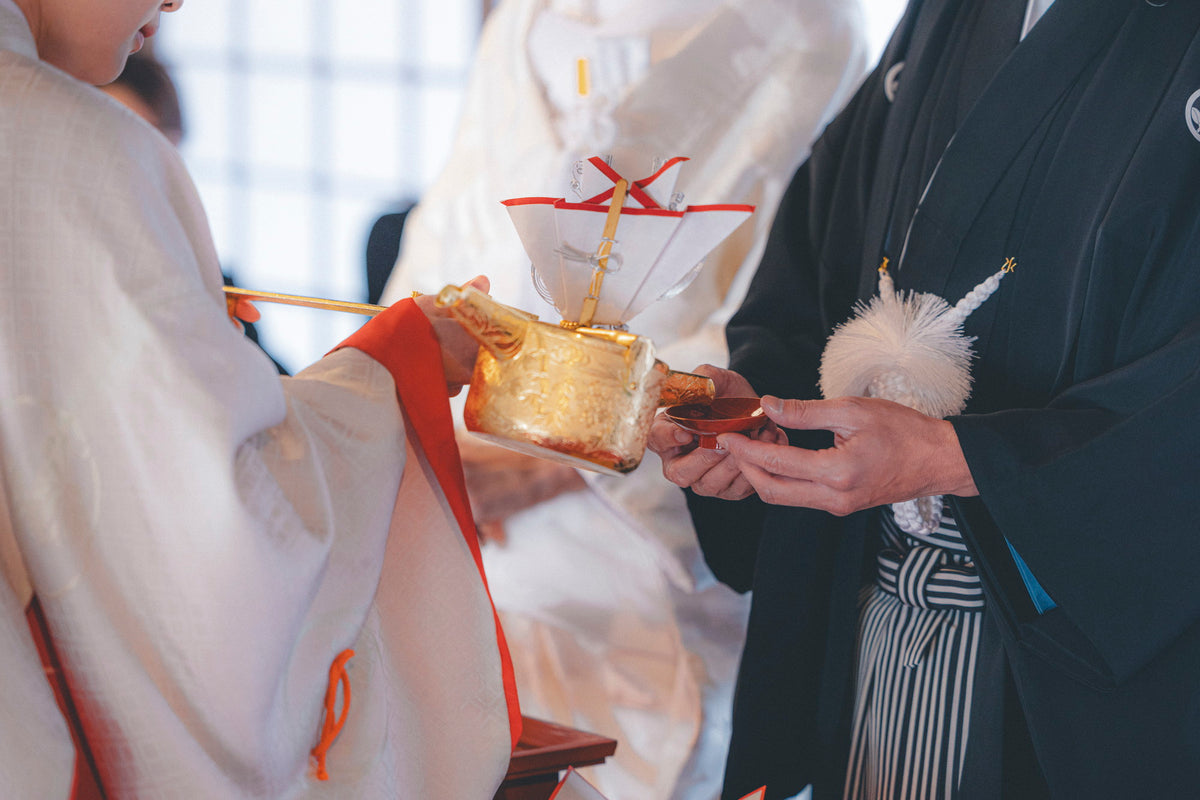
<point x="1041" y="600"/>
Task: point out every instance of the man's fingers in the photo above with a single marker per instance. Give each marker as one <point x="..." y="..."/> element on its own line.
<point x="784" y="491"/>
<point x="791" y="462"/>
<point x="707" y="472"/>
<point x="840" y="414"/>
<point x="725" y="480"/>
<point x="666" y="435"/>
<point x="688" y="468"/>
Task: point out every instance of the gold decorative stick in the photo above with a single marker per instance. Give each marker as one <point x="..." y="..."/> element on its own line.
<point x="233" y="294"/>
<point x="583" y="77"/>
<point x="602" y="253"/>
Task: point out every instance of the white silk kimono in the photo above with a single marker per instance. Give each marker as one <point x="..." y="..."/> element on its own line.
<point x="616" y="625"/>
<point x="204" y="537"/>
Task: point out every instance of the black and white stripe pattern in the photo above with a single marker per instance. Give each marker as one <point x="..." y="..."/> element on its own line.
<point x="928" y="575"/>
<point x="946" y="536"/>
<point x="919" y="629"/>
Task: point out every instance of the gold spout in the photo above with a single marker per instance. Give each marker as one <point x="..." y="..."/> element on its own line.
<point x="679" y="388"/>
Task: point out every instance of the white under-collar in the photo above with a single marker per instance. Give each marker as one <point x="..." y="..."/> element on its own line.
<point x="1033" y="12"/>
<point x="15" y="34"/>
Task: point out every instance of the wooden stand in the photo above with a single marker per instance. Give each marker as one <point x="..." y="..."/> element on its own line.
<point x="546" y="750"/>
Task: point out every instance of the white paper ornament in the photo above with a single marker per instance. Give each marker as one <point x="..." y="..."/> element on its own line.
<point x="658" y="246"/>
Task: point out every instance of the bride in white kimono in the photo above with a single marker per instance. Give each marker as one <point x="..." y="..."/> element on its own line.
<point x="197" y="544"/>
<point x="616" y="624"/>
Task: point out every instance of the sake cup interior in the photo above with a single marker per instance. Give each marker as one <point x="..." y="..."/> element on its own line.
<point x="723" y="415"/>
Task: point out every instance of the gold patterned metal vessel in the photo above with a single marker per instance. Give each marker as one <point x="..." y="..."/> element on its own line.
<point x="584" y="397"/>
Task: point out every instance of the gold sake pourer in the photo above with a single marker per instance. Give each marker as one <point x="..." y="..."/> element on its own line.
<point x="585" y="396"/>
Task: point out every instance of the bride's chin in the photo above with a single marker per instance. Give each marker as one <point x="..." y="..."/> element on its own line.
<point x="111" y="71"/>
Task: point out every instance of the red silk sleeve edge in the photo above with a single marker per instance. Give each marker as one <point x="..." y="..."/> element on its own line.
<point x="402" y="339"/>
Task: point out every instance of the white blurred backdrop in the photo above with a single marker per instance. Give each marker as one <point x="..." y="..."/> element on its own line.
<point x="308" y="119"/>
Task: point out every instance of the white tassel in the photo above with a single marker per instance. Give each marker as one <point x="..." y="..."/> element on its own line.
<point x="908" y="348"/>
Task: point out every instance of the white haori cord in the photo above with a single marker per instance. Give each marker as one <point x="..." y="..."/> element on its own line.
<point x="907" y="347"/>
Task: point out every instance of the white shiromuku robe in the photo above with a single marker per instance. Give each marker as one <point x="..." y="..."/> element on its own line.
<point x="204" y="537"/>
<point x="616" y="624"/>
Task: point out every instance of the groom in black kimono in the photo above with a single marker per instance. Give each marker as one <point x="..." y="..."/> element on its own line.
<point x="1071" y="143"/>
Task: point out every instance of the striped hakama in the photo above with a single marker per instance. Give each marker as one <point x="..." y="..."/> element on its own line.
<point x="918" y="640"/>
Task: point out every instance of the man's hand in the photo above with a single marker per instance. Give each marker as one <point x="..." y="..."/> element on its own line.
<point x="883" y="453"/>
<point x="459" y="348"/>
<point x="707" y="472"/>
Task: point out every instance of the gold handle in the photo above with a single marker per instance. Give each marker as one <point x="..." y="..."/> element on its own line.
<point x="232" y="293"/>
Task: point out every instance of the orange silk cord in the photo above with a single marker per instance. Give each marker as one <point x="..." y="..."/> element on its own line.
<point x="331" y="727"/>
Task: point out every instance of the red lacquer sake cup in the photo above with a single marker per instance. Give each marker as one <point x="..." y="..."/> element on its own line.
<point x="723" y="415"/>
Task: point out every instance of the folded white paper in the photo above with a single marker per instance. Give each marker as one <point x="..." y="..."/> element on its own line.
<point x="657" y="247"/>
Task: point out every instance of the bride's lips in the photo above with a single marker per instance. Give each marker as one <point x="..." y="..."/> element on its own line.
<point x="142" y="34"/>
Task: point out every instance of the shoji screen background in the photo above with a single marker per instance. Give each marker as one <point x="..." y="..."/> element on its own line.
<point x="306" y="120"/>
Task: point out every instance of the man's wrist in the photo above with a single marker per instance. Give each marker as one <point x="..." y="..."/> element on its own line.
<point x="955" y="472"/>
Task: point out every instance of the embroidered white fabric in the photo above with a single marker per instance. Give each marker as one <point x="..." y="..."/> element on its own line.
<point x="205" y="537"/>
